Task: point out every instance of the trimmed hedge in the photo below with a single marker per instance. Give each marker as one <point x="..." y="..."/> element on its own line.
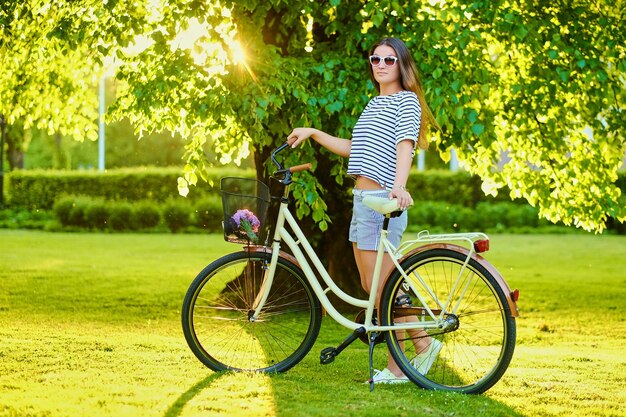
<point x="22" y="219"/>
<point x="485" y="216"/>
<point x="176" y="215"/>
<point x="208" y="213"/>
<point x="145" y="215"/>
<point x="147" y="198"/>
<point x="97" y="215"/>
<point x="452" y="187"/>
<point x="121" y="217"/>
<point x="38" y="189"/>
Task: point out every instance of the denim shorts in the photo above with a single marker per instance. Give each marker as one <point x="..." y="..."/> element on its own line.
<point x="366" y="223"/>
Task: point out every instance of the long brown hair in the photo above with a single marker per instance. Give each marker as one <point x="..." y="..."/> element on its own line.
<point x="410" y="81"/>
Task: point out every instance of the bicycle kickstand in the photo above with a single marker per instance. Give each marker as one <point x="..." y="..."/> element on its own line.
<point x="328" y="355"/>
<point x="372" y="344"/>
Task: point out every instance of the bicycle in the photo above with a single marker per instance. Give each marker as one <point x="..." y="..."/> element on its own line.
<point x="260" y="309"/>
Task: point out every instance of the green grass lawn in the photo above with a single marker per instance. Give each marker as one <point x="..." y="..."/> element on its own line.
<point x="89" y="326"/>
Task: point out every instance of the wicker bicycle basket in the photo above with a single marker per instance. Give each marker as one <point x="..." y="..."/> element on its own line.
<point x="245" y="202"/>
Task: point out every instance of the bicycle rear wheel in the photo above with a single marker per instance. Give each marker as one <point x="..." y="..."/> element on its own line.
<point x="474" y="348"/>
<point x="216" y="309"/>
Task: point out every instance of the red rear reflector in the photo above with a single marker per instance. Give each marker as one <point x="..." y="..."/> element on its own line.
<point x="515" y="295"/>
<point x="481" y="246"/>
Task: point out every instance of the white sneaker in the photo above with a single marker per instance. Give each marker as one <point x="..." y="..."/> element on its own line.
<point x="425" y="360"/>
<point x="387" y="377"/>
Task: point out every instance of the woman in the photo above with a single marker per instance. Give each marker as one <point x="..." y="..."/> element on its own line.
<point x="380" y="155"/>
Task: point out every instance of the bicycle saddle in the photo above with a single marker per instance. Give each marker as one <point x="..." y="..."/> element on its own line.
<point x="383" y="205"/>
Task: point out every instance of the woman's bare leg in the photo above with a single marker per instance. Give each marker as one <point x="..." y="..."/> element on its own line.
<point x="366" y="261"/>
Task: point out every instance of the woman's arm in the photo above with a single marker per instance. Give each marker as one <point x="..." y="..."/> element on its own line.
<point x="336" y="145"/>
<point x="404" y="159"/>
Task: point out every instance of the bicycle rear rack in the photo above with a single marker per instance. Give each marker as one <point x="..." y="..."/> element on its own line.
<point x="477" y="241"/>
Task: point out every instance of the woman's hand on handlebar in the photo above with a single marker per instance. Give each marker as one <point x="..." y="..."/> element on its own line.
<point x="298" y="135"/>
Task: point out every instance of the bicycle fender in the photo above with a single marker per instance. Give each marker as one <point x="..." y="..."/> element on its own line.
<point x="267" y="249"/>
<point x="482" y="261"/>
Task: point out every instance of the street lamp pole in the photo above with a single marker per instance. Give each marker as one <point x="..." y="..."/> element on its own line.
<point x="101" y="127"/>
<point x="3" y="124"/>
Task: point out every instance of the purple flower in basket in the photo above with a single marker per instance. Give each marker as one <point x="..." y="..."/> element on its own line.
<point x="246" y="224"/>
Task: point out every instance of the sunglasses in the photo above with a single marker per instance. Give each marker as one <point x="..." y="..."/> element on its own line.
<point x="389" y="61"/>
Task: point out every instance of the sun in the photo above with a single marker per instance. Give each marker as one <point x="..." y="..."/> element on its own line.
<point x="238" y="53"/>
<point x="238" y="56"/>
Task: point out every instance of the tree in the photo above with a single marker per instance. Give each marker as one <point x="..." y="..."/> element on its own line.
<point x="503" y="78"/>
<point x="51" y="56"/>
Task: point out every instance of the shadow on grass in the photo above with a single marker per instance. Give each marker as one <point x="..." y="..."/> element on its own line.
<point x="177" y="407"/>
<point x="355" y="400"/>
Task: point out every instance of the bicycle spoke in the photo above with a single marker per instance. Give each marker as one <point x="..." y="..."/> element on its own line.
<point x="217" y="309"/>
<point x="478" y="334"/>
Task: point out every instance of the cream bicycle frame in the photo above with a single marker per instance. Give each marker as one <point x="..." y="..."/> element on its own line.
<point x="282" y="234"/>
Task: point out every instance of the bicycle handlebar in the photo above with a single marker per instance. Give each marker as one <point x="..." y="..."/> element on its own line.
<point x="284" y="174"/>
<point x="304" y="167"/>
<point x="275" y="152"/>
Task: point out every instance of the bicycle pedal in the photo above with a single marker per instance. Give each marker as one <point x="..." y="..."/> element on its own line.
<point x="328" y="355"/>
<point x="403" y="300"/>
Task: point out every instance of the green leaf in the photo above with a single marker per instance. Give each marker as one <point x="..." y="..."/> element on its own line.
<point x="472" y="116"/>
<point x="563" y="74"/>
<point x="478" y="129"/>
<point x="334" y="107"/>
<point x="520" y="32"/>
<point x="378" y="18"/>
<point x="260" y="113"/>
<point x="183" y="187"/>
<point x="262" y="102"/>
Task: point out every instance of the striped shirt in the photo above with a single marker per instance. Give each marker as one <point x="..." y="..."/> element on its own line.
<point x="385" y="122"/>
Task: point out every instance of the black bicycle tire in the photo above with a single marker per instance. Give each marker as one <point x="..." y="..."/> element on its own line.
<point x="210" y="360"/>
<point x="508" y="322"/>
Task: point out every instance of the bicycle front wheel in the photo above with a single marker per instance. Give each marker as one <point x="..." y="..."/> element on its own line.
<point x="218" y="305"/>
<point x="473" y="346"/>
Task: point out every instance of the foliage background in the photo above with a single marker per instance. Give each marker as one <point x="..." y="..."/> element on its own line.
<point x="532" y="81"/>
<point x="541" y="84"/>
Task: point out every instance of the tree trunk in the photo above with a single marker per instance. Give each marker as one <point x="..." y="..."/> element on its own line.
<point x="331" y="246"/>
<point x="60" y="158"/>
<point x="15" y="153"/>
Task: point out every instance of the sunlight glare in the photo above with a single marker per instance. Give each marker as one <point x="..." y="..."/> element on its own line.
<point x="185" y="39"/>
<point x="139" y="44"/>
<point x="195" y="38"/>
<point x="238" y="53"/>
